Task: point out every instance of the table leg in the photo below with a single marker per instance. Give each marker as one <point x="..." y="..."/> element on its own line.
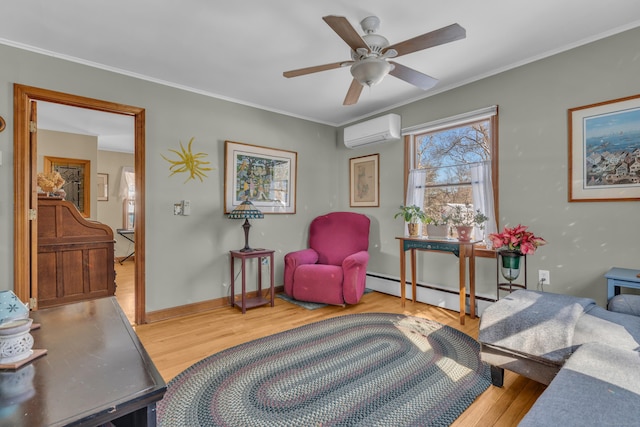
<point x="462" y="273"/>
<point x="244" y="288"/>
<point x="472" y="283"/>
<point x="232" y="297"/>
<point x="413" y="275"/>
<point x="403" y="274"/>
<point x="611" y="289"/>
<point x="272" y="290"/>
<point x="259" y="295"/>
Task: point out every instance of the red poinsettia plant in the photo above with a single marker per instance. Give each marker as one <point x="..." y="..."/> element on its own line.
<point x="517" y="239"/>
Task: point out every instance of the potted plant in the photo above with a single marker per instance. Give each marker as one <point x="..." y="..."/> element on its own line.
<point x="511" y="244"/>
<point x="464" y="218"/>
<point x="516" y="239"/>
<point x="436" y="228"/>
<point x="412" y="215"/>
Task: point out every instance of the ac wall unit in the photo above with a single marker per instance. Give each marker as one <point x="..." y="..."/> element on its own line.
<point x="374" y="131"/>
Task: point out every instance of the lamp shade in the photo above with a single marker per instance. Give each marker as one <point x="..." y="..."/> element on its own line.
<point x="246" y="210"/>
<point x="370" y="71"/>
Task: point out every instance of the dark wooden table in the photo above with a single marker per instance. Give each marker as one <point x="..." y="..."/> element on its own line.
<point x="258" y="300"/>
<point x="96" y="371"/>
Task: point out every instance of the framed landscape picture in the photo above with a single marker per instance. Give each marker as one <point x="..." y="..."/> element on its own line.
<point x="364" y="181"/>
<point x="264" y="176"/>
<point x="604" y="151"/>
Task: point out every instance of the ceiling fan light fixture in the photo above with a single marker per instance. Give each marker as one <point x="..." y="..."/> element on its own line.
<point x="370" y="71"/>
<point x="370" y="54"/>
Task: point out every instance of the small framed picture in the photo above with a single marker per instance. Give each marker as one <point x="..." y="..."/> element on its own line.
<point x="364" y="181"/>
<point x="103" y="187"/>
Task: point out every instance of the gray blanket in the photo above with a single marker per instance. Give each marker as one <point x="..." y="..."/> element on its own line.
<point x="534" y="323"/>
<point x="598" y="386"/>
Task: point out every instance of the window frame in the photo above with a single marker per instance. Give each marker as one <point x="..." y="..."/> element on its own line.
<point x="411" y="149"/>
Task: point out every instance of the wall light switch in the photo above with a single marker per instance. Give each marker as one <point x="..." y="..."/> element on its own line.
<point x="186" y="207"/>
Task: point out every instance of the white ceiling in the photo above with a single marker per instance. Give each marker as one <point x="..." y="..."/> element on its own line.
<point x="238" y="50"/>
<point x="115" y="132"/>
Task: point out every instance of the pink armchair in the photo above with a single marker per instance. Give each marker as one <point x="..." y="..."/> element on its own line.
<point x="333" y="269"/>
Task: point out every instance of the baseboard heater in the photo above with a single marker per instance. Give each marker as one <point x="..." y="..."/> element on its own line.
<point x="428" y="294"/>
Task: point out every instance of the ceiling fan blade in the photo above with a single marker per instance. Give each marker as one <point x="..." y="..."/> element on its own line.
<point x="444" y="35"/>
<point x="314" y="69"/>
<point x="353" y="94"/>
<point x="345" y="30"/>
<point x="412" y="76"/>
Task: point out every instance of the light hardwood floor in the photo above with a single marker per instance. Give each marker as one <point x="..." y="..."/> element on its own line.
<point x="176" y="344"/>
<point x="125" y="288"/>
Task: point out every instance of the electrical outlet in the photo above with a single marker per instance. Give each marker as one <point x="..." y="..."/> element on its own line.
<point x="544" y="277"/>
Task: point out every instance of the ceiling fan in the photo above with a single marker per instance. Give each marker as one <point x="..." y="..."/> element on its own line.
<point x="370" y="55"/>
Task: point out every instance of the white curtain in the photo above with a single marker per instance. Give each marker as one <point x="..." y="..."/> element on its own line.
<point x="482" y="190"/>
<point x="415" y="187"/>
<point x="127" y="181"/>
<point x="415" y="190"/>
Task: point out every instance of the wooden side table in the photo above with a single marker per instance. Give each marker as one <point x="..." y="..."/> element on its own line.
<point x="461" y="249"/>
<point x="259" y="299"/>
<point x="621" y="277"/>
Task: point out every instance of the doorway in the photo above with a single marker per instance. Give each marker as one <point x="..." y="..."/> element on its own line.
<point x="25" y="189"/>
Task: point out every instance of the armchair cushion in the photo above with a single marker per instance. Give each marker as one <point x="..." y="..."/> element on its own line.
<point x="333" y="269"/>
<point x="318" y="283"/>
<point x="337" y="235"/>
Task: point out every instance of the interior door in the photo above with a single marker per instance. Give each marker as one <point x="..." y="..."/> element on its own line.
<point x="33" y="200"/>
<point x="25" y="188"/>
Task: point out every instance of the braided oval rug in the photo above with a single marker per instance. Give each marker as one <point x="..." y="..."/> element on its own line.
<point x="359" y="369"/>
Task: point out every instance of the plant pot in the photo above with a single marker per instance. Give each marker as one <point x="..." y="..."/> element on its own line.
<point x="413" y="229"/>
<point x="510" y="264"/>
<point x="437" y="231"/>
<point x="464" y="232"/>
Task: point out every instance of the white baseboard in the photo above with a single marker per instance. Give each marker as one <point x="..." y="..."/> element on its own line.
<point x="439" y="298"/>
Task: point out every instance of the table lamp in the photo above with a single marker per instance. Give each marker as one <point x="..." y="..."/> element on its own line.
<point x="245" y="211"/>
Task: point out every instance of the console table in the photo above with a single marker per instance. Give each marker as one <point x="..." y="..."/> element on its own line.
<point x="621" y="277"/>
<point x="95" y="371"/>
<point x="258" y="300"/>
<point x="463" y="250"/>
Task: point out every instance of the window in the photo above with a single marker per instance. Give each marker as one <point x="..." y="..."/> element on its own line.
<point x="453" y="162"/>
<point x="128" y="196"/>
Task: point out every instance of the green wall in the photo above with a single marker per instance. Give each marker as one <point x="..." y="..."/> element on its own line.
<point x="584" y="239"/>
<point x="187" y="257"/>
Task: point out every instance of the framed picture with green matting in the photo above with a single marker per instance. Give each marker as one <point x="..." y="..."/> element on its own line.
<point x="264" y="176"/>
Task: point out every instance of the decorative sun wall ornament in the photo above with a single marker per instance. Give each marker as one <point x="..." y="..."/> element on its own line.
<point x="188" y="162"/>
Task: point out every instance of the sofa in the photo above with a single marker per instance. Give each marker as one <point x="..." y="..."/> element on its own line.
<point x="587" y="355"/>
